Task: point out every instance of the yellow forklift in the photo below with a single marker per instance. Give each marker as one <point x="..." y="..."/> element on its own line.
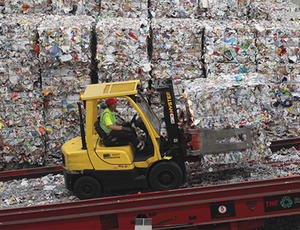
<point x="94" y="167"/>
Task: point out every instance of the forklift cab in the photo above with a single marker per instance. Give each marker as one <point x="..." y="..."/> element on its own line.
<point x="123" y="151"/>
<point x="99" y="168"/>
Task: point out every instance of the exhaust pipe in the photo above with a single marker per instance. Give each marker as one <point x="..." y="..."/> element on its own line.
<point x="81" y="127"/>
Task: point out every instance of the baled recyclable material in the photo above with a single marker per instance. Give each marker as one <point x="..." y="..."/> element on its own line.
<point x="278" y="72"/>
<point x="229" y="42"/>
<point x="224" y="102"/>
<point x="177" y="48"/>
<point x="238" y="69"/>
<point x="224" y="10"/>
<point x="177" y="40"/>
<point x="65" y="56"/>
<point x="21" y="125"/>
<point x="21" y="116"/>
<point x="174" y="9"/>
<point x="122" y="48"/>
<point x="181" y="70"/>
<point x="273" y="10"/>
<point x="26" y="7"/>
<point x="75" y="7"/>
<point x="278" y="41"/>
<point x="278" y="50"/>
<point x="229" y="47"/>
<point x="124" y="8"/>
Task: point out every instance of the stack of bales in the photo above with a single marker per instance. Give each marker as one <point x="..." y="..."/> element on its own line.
<point x="274" y="10"/>
<point x="224" y="10"/>
<point x="174" y="9"/>
<point x="278" y="49"/>
<point x="21" y="115"/>
<point x="75" y="7"/>
<point x="229" y="48"/>
<point x="251" y="102"/>
<point x="124" y="8"/>
<point x="65" y="57"/>
<point x="26" y="7"/>
<point x="177" y="48"/>
<point x="122" y="49"/>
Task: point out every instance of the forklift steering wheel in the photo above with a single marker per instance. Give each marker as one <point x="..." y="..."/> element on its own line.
<point x="133" y="120"/>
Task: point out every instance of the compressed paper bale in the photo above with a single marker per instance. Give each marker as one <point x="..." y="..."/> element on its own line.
<point x="61" y="122"/>
<point x="274" y="10"/>
<point x="22" y="108"/>
<point x="66" y="79"/>
<point x="177" y="40"/>
<point x="65" y="53"/>
<point x="236" y="69"/>
<point x="76" y="7"/>
<point x="223" y="102"/>
<point x="278" y="72"/>
<point x="22" y="146"/>
<point x="228" y="10"/>
<point x="229" y="42"/>
<point x="65" y="39"/>
<point x="122" y="46"/>
<point x="21" y="121"/>
<point x="124" y="8"/>
<point x="174" y="8"/>
<point x="278" y="41"/>
<point x="181" y="70"/>
<point x="26" y="7"/>
<point x="18" y="42"/>
<point x="21" y="101"/>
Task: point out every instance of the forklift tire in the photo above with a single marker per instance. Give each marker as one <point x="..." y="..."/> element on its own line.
<point x="87" y="187"/>
<point x="165" y="175"/>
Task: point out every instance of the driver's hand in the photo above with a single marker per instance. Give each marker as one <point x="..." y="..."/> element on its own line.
<point x="126" y="124"/>
<point x="126" y="129"/>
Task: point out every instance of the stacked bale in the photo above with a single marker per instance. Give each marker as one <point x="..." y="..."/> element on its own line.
<point x="75" y="7"/>
<point x="26" y="7"/>
<point x="124" y="8"/>
<point x="224" y="102"/>
<point x="174" y="9"/>
<point x="229" y="48"/>
<point x="225" y="10"/>
<point x="177" y="48"/>
<point x="122" y="49"/>
<point x="21" y="115"/>
<point x="274" y="10"/>
<point x="65" y="57"/>
<point x="278" y="49"/>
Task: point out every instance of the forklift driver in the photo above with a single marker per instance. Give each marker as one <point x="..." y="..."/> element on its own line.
<point x="113" y="128"/>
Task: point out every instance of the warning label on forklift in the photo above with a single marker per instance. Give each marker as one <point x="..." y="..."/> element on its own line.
<point x="282" y="202"/>
<point x="222" y="210"/>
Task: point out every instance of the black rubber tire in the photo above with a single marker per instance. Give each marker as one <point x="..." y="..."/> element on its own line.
<point x="165" y="175"/>
<point x="87" y="187"/>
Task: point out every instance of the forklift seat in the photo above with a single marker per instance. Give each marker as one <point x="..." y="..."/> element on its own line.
<point x="107" y="140"/>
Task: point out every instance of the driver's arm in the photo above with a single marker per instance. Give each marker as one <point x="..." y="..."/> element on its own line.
<point x="118" y="122"/>
<point x="109" y="123"/>
<point x="115" y="127"/>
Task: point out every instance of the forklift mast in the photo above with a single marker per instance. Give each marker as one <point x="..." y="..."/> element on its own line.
<point x="176" y="140"/>
<point x="167" y="98"/>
